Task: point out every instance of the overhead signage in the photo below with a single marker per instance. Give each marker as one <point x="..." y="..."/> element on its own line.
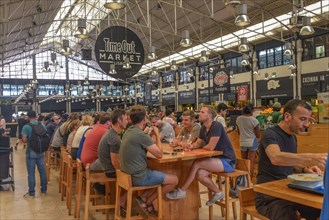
<point x="221" y="80"/>
<point x="186" y="97"/>
<point x="279" y="87"/>
<point x="313" y="83"/>
<point x="168" y="99"/>
<point x="113" y="46"/>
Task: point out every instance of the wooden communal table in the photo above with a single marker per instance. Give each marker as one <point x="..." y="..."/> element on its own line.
<point x="187" y="208"/>
<point x="279" y="189"/>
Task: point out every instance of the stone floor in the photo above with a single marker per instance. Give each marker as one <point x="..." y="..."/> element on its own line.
<point x="14" y="206"/>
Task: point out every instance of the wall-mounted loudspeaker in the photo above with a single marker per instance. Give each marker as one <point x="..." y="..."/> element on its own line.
<point x="86" y="54"/>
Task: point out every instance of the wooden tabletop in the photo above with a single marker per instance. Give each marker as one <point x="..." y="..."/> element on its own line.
<point x="279" y="189"/>
<point x="185" y="155"/>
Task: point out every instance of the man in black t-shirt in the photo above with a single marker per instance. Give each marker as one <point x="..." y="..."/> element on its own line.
<point x="212" y="137"/>
<point x="278" y="158"/>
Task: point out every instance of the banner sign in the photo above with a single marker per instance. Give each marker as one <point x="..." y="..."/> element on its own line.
<point x="221" y="79"/>
<point x="114" y="45"/>
<point x="186" y="97"/>
<point x="148" y="92"/>
<point x="243" y="93"/>
<point x="278" y="87"/>
<point x="313" y="83"/>
<point x="168" y="99"/>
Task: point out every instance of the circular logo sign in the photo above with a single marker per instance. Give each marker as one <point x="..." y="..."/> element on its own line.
<point x="220" y="78"/>
<point x="114" y="46"/>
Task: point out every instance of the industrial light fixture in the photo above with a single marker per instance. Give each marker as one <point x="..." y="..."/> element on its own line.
<point x="202" y="86"/>
<point x="242" y="19"/>
<point x="244" y="47"/>
<point x="173" y="65"/>
<point x="288" y="49"/>
<point x="151" y="55"/>
<point x="232" y="74"/>
<point x="112" y="69"/>
<point x="273" y="75"/>
<point x="190" y="72"/>
<point x="266" y="76"/>
<point x="186" y="41"/>
<point x="204" y="58"/>
<point x="66" y="50"/>
<point x="245" y="60"/>
<point x="256" y="71"/>
<point x="292" y="65"/>
<point x="293" y="73"/>
<point x="46" y="67"/>
<point x="172" y="85"/>
<point x="307" y="28"/>
<point x="164" y="92"/>
<point x="82" y="31"/>
<point x="115" y="4"/>
<point x="126" y="64"/>
<point x="154" y="71"/>
<point x="53" y="58"/>
<point x="86" y="82"/>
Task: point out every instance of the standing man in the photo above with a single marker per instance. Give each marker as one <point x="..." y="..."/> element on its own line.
<point x="212" y="137"/>
<point x="33" y="159"/>
<point x="190" y="127"/>
<point x="133" y="160"/>
<point x="278" y="158"/>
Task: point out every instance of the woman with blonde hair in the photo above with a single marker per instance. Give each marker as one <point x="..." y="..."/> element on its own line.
<point x="86" y="123"/>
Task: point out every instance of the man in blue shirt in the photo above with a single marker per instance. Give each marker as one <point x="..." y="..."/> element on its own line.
<point x="33" y="158"/>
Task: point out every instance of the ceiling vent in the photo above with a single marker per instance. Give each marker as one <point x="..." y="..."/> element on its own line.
<point x="232" y="3"/>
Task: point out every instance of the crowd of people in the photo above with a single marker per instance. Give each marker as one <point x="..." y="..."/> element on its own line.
<point x="121" y="140"/>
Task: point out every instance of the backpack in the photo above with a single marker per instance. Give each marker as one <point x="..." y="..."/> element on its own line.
<point x="81" y="144"/>
<point x="39" y="141"/>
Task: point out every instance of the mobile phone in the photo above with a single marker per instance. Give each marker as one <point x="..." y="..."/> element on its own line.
<point x="166" y="153"/>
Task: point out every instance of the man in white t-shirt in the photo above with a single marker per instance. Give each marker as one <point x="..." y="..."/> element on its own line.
<point x="220" y="117"/>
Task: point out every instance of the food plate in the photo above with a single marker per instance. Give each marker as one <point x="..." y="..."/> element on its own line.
<point x="306" y="177"/>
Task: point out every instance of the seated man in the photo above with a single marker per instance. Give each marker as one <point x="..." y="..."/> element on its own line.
<point x="109" y="145"/>
<point x="167" y="132"/>
<point x="212" y="137"/>
<point x="278" y="158"/>
<point x="190" y="128"/>
<point x="134" y="146"/>
<point x="89" y="152"/>
<point x="108" y="148"/>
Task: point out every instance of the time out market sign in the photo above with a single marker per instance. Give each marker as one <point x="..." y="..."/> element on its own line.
<point x="114" y="45"/>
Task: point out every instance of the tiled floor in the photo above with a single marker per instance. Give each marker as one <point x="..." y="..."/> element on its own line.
<point x="14" y="206"/>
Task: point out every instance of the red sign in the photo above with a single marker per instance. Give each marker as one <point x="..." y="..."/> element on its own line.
<point x="243" y="93"/>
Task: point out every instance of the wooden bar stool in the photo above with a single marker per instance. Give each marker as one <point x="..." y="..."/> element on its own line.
<point x="47" y="162"/>
<point x="61" y="168"/>
<point x="80" y="183"/>
<point x="242" y="168"/>
<point x="97" y="177"/>
<point x="72" y="165"/>
<point x="64" y="177"/>
<point x="247" y="204"/>
<point x="124" y="182"/>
